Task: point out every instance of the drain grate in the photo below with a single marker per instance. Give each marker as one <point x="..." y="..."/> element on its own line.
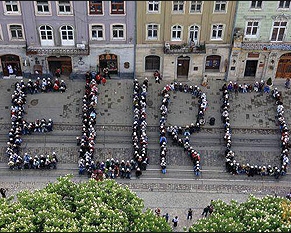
<point x="34" y="102"/>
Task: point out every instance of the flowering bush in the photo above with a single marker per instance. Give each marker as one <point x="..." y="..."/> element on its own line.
<point x="91" y="206"/>
<point x="270" y="213"/>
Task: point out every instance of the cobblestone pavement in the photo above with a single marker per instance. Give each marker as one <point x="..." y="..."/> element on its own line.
<point x="249" y="111"/>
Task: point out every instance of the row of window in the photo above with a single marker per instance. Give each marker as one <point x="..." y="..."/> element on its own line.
<point x="118" y="7"/>
<point x="278" y="31"/>
<point x="179" y="6"/>
<point x="282" y="5"/>
<point x="97" y="32"/>
<point x="66" y="33"/>
<point x="177" y="32"/>
<point x="197" y="6"/>
<point x="64" y="7"/>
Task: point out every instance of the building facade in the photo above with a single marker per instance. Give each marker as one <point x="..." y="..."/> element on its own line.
<point x="75" y="36"/>
<point x="262" y="41"/>
<point x="184" y="40"/>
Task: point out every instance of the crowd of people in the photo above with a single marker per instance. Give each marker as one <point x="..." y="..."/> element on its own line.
<point x="111" y="168"/>
<point x="139" y="134"/>
<point x="20" y="126"/>
<point x="174" y="131"/>
<point x="42" y="85"/>
<point x="232" y="165"/>
<point x="87" y="140"/>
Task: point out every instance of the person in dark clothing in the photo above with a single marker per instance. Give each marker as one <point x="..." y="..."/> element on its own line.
<point x="166" y="216"/>
<point x="3" y="192"/>
<point x="138" y="172"/>
<point x="190" y="213"/>
<point x="205" y="211"/>
<point x="58" y="73"/>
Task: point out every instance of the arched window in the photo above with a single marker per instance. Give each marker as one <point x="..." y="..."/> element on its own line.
<point x="152" y="63"/>
<point x="176" y="33"/>
<point x="67" y="35"/>
<point x="212" y="63"/>
<point x="194" y="34"/>
<point x="46" y="35"/>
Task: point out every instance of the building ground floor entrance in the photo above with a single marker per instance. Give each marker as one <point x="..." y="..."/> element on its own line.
<point x="183" y="67"/>
<point x="284" y="66"/>
<point x="63" y="63"/>
<point x="109" y="61"/>
<point x="251" y="68"/>
<point x="13" y="61"/>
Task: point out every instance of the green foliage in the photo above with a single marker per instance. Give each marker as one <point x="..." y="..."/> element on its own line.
<point x="269" y="81"/>
<point x="66" y="206"/>
<point x="268" y="214"/>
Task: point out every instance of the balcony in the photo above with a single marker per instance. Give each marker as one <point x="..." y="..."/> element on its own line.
<point x="57" y="51"/>
<point x="183" y="48"/>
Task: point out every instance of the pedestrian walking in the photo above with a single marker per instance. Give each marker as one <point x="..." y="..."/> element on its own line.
<point x="157" y="76"/>
<point x="205" y="211"/>
<point x="166" y="216"/>
<point x="175" y="221"/>
<point x="190" y="213"/>
<point x="287" y="83"/>
<point x="158" y="212"/>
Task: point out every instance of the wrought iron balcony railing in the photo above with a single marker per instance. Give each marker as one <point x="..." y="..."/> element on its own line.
<point x="56" y="51"/>
<point x="184" y="48"/>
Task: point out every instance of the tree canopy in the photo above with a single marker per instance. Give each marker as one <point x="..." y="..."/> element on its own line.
<point x="67" y="206"/>
<point x="267" y="214"/>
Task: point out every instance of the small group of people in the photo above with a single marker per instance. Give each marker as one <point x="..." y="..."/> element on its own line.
<point x="208" y="210"/>
<point x="43" y="85"/>
<point x="232" y="166"/>
<point x="139" y="134"/>
<point x="110" y="169"/>
<point x="19" y="126"/>
<point x="245" y="88"/>
<point x="89" y="76"/>
<point x="174" y="131"/>
<point x="33" y="162"/>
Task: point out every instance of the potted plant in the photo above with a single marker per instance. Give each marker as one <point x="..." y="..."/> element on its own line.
<point x="269" y="82"/>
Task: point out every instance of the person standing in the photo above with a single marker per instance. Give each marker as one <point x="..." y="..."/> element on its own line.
<point x="10" y="69"/>
<point x="190" y="213"/>
<point x="106" y="72"/>
<point x="3" y="192"/>
<point x="175" y="221"/>
<point x="287" y="83"/>
<point x="58" y="73"/>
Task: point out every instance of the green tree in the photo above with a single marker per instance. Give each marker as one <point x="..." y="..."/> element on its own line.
<point x="267" y="214"/>
<point x="91" y="206"/>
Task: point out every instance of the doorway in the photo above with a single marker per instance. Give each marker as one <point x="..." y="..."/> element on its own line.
<point x="183" y="67"/>
<point x="63" y="62"/>
<point x="251" y="68"/>
<point x="284" y="66"/>
<point x="109" y="61"/>
<point x="12" y="60"/>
